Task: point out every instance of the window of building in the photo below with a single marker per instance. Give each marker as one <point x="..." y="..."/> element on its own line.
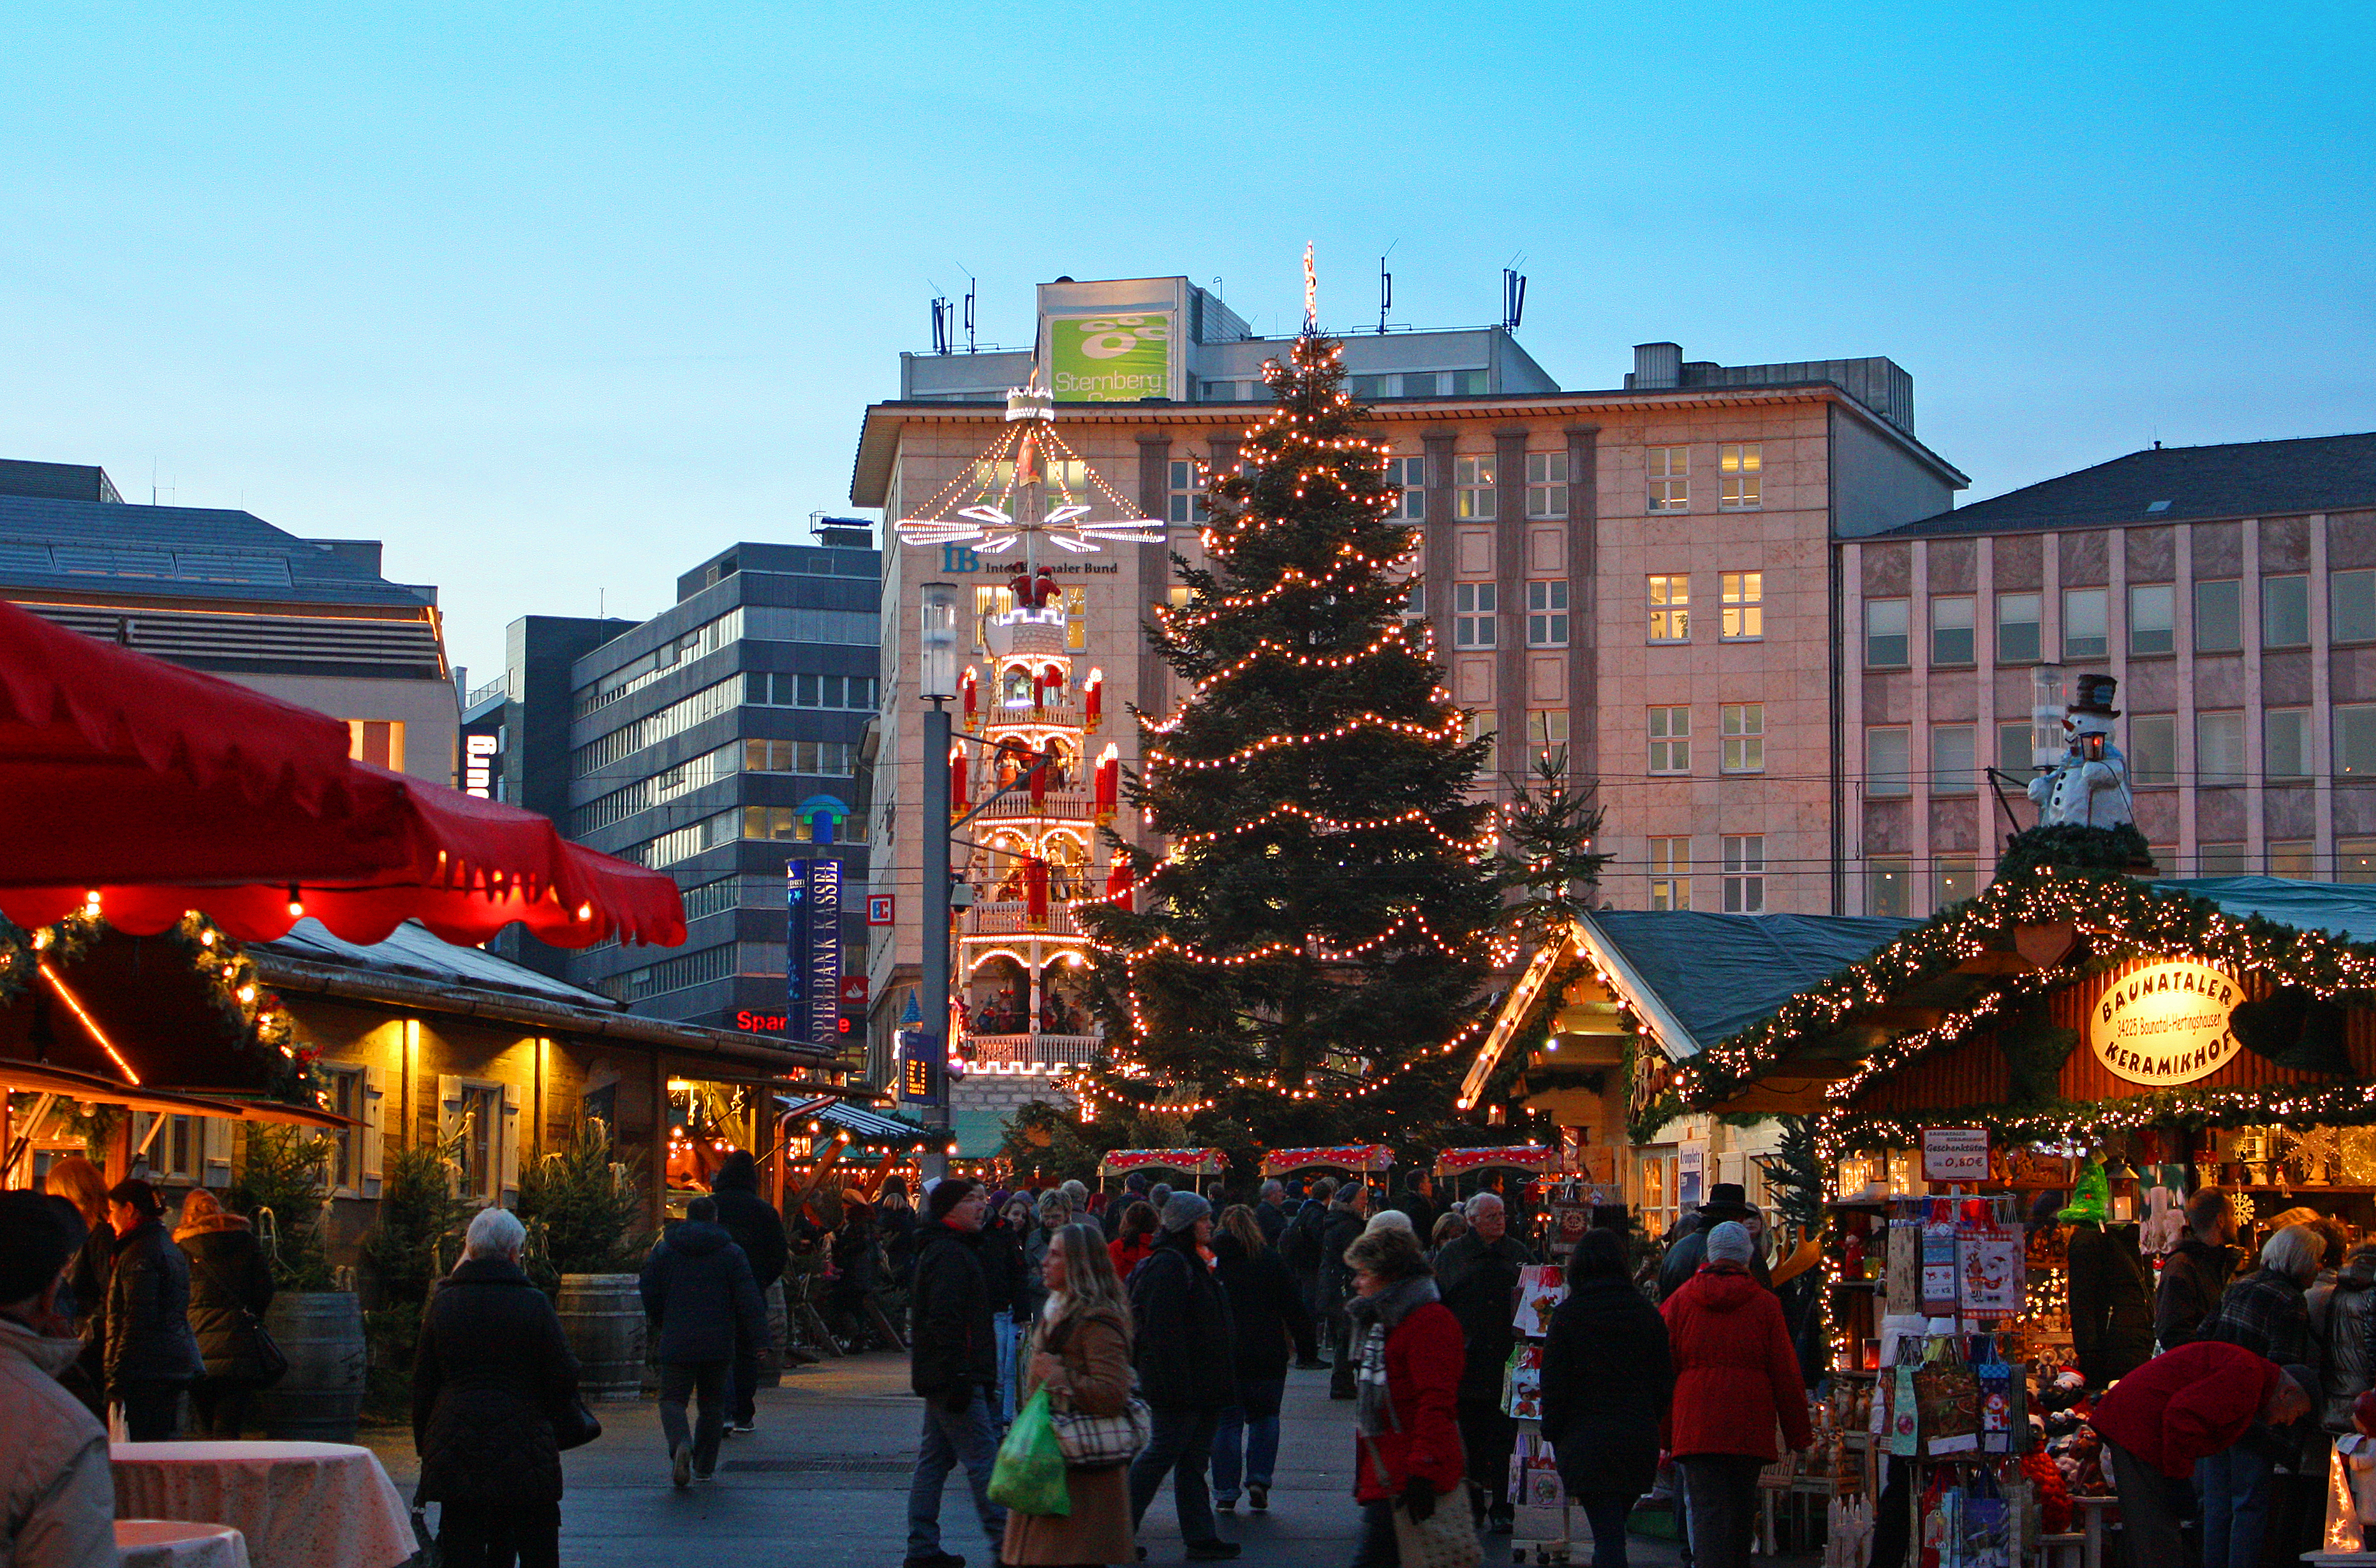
<point x="1884" y="634"/>
<point x="1740" y="473"/>
<point x="1671" y="740"/>
<point x="1546" y="614"/>
<point x="379" y="742"/>
<point x="1670" y="873"/>
<point x="1659" y="1205"/>
<point x="2351" y="606"/>
<point x="1410" y="475"/>
<point x="2291" y="858"/>
<point x="2354" y="739"/>
<point x="2152" y="749"/>
<point x="1670" y="482"/>
<point x="1954" y="879"/>
<point x="1479" y="727"/>
<point x="1547" y="735"/>
<point x="1419" y="384"/>
<point x="1953" y="770"/>
<point x="2219" y="748"/>
<point x="1472" y="488"/>
<point x="1468" y="383"/>
<point x="2354" y="860"/>
<point x="1367" y="389"/>
<point x="2013" y="751"/>
<point x="1546" y="484"/>
<point x="1743" y="607"/>
<point x="1415" y="601"/>
<point x="1473" y="615"/>
<point x="175" y="1151"/>
<point x="1951" y="630"/>
<point x="2220" y="860"/>
<point x="1744" y="873"/>
<point x="2017" y="629"/>
<point x="2285" y="743"/>
<point x="1187" y="492"/>
<point x="2153" y="626"/>
<point x="1671" y="614"/>
<point x="343" y="1171"/>
<point x="2082" y="624"/>
<point x="1742" y="728"/>
<point x="821" y="759"/>
<point x="2219" y="616"/>
<point x="791" y="689"/>
<point x="478" y="1164"/>
<point x="2285" y="612"/>
<point x="1889" y="886"/>
<point x="1884" y="761"/>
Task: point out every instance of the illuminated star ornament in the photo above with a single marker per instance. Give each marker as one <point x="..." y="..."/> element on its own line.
<point x="1028" y="486"/>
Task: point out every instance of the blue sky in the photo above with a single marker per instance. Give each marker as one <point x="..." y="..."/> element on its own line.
<point x="558" y="301"/>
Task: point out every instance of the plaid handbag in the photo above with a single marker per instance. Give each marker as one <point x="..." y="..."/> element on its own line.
<point x="1095" y="1443"/>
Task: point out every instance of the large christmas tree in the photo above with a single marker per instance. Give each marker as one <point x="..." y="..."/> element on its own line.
<point x="1313" y="935"/>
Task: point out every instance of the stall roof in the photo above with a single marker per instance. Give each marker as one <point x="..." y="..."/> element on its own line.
<point x="411" y="949"/>
<point x="2343" y="909"/>
<point x="1714" y="975"/>
<point x="863" y="1125"/>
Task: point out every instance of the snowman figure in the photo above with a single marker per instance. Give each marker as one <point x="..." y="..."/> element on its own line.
<point x="2090" y="787"/>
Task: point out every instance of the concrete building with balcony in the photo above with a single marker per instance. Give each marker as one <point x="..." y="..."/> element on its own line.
<point x="1638" y="575"/>
<point x="311" y="621"/>
<point x="2231" y="591"/>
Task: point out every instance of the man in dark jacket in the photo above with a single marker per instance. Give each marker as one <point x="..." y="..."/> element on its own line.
<point x="1416" y="1197"/>
<point x="151" y="1354"/>
<point x="702" y="1302"/>
<point x="1299" y="1248"/>
<point x="1187" y="1371"/>
<point x="2111" y="1301"/>
<point x="2198" y="1270"/>
<point x="953" y="1362"/>
<point x="1477" y="1276"/>
<point x="1135" y="1189"/>
<point x="1270" y="1213"/>
<point x="1348" y="1213"/>
<point x="758" y="1229"/>
<point x="895" y="1223"/>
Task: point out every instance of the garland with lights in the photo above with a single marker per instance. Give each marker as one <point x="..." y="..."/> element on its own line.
<point x="252" y="1016"/>
<point x="1304" y="954"/>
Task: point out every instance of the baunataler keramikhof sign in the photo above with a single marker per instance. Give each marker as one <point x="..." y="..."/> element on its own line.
<point x="2164" y="1023"/>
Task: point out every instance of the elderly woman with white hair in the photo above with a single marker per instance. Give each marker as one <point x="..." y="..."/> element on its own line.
<point x="492" y="1370"/>
<point x="2267" y="1313"/>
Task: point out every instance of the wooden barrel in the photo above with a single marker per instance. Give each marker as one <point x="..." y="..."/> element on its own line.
<point x="602" y="1316"/>
<point x="321" y="1332"/>
<point x="771" y="1354"/>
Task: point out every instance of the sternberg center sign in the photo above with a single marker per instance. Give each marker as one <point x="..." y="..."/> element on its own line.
<point x="2164" y="1023"/>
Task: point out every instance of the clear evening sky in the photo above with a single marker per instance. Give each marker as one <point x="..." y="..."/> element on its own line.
<point x="560" y="301"/>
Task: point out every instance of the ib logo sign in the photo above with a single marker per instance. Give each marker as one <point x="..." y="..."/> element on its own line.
<point x="960" y="558"/>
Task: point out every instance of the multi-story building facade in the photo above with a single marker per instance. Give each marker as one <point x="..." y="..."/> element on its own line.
<point x="2231" y="590"/>
<point x="720" y="741"/>
<point x="311" y="621"/>
<point x="1640" y="575"/>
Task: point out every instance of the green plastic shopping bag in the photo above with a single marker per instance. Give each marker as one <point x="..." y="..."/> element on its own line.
<point x="1030" y="1475"/>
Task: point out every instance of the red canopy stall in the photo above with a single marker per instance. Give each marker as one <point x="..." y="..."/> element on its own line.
<point x="1363" y="1157"/>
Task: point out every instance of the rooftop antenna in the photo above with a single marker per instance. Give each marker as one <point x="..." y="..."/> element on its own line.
<point x="1513" y="294"/>
<point x="1386" y="289"/>
<point x="940" y="323"/>
<point x="968" y="307"/>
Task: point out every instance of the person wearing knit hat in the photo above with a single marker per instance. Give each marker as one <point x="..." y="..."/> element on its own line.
<point x="1389" y="1219"/>
<point x="1730" y="1243"/>
<point x="1187" y="1371"/>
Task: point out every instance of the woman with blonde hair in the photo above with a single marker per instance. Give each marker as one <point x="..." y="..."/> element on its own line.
<point x="1080" y="1352"/>
<point x="78" y="1181"/>
<point x="231" y="1286"/>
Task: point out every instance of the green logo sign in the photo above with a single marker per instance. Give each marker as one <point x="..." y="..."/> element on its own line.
<point x="1111" y="359"/>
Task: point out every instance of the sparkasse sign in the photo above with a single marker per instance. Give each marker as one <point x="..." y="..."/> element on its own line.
<point x="2166" y="1022"/>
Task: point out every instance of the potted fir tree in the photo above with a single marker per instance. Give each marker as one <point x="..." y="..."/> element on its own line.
<point x="584" y="1211"/>
<point x="280" y="1188"/>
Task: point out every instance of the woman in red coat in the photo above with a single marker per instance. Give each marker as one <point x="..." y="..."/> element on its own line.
<point x="1407" y="1442"/>
<point x="1736" y="1376"/>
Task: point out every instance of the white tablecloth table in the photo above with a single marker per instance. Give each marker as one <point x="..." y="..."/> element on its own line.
<point x="177" y="1543"/>
<point x="300" y="1504"/>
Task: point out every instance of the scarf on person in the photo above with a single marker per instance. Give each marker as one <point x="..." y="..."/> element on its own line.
<point x="1374" y="1317"/>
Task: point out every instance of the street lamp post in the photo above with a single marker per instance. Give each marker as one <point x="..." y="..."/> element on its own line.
<point x="936" y="682"/>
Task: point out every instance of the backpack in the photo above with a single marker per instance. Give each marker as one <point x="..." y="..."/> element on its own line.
<point x="1298" y="1246"/>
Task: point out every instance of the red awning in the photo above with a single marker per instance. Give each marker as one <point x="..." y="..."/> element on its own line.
<point x="165" y="790"/>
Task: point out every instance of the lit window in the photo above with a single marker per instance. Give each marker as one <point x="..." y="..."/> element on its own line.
<point x="1472" y="488"/>
<point x="1743" y="607"/>
<point x="1472" y="615"/>
<point x="2219" y="616"/>
<point x="1743" y="730"/>
<point x="2285" y="743"/>
<point x="1744" y="873"/>
<point x="1889" y="886"/>
<point x="1546" y="614"/>
<point x="1953" y="769"/>
<point x="1670" y="484"/>
<point x="1670" y="873"/>
<point x="2151" y="749"/>
<point x="1884" y="634"/>
<point x="379" y="742"/>
<point x="2285" y="612"/>
<point x="1547" y="734"/>
<point x="1546" y="484"/>
<point x="1951" y="630"/>
<point x="2354" y="739"/>
<point x="1670" y="615"/>
<point x="1740" y="476"/>
<point x="1671" y="740"/>
<point x="2354" y="860"/>
<point x="2017" y="629"/>
<point x="343" y="1171"/>
<point x="1410" y="475"/>
<point x="2153" y="628"/>
<point x="1884" y="761"/>
<point x="1955" y="878"/>
<point x="1187" y="492"/>
<point x="2082" y="623"/>
<point x="2219" y="748"/>
<point x="2351" y="606"/>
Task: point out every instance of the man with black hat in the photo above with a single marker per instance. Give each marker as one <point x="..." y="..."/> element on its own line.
<point x="57" y="1499"/>
<point x="1187" y="1371"/>
<point x="953" y="1362"/>
<point x="1687" y="1244"/>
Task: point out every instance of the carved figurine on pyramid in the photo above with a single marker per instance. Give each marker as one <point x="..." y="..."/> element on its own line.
<point x="2089" y="787"/>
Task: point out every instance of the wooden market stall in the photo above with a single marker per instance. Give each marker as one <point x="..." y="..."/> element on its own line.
<point x="1363" y="1158"/>
<point x="1200" y="1165"/>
